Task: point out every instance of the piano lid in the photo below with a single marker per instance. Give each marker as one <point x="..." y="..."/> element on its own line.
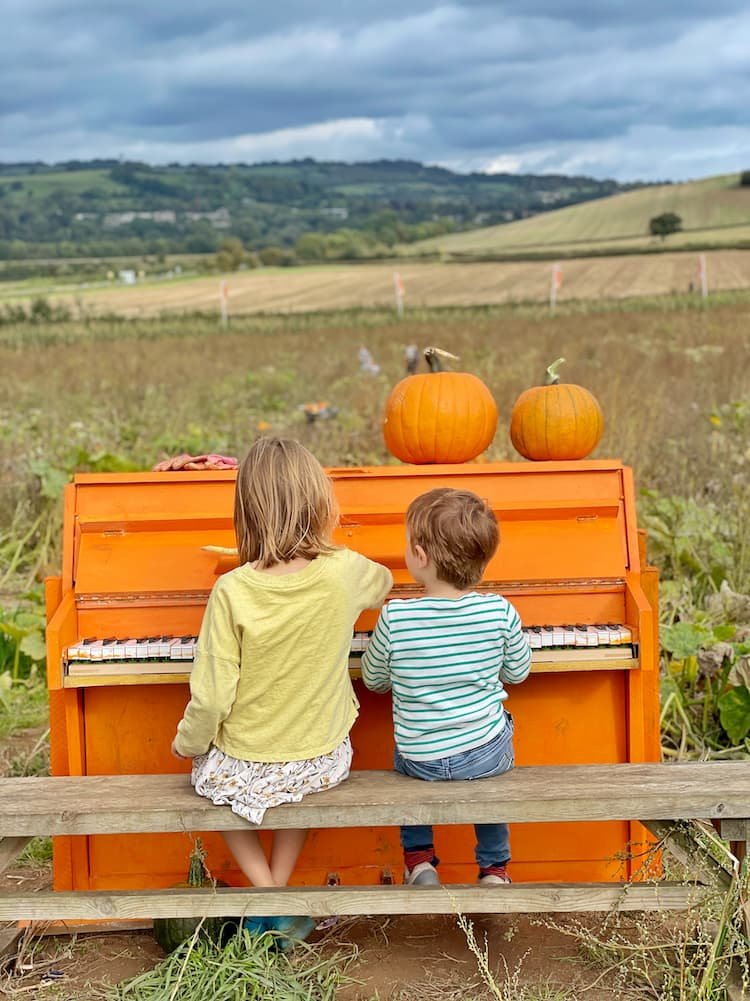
<point x="143" y="533"/>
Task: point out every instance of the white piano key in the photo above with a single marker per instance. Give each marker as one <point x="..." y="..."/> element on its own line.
<point x="141" y="648"/>
<point x="614" y="634"/>
<point x="153" y="646"/>
<point x="558" y="636"/>
<point x="592" y="636"/>
<point x="569" y="635"/>
<point x="582" y="638"/>
<point x="165" y="645"/>
<point x="187" y="648"/>
<point x="547" y="637"/>
<point x="602" y="635"/>
<point x="534" y="636"/>
<point x="175" y="649"/>
<point x="130" y="649"/>
<point x="626" y="634"/>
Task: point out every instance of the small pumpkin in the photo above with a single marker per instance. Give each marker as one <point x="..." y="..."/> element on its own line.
<point x="439" y="416"/>
<point x="172" y="932"/>
<point x="556" y="421"/>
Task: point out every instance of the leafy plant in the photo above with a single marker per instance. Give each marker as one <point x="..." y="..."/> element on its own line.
<point x="22" y="649"/>
<point x="248" y="968"/>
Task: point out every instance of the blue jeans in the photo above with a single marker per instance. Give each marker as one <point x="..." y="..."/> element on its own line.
<point x="493" y="758"/>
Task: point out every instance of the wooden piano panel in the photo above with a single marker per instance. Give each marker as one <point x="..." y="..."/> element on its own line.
<point x="129" y="731"/>
<point x="133" y="565"/>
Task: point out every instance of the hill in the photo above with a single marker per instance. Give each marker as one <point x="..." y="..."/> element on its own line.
<point x="715" y="211"/>
<point x="105" y="208"/>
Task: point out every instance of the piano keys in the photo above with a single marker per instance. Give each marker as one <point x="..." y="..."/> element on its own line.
<point x="604" y="646"/>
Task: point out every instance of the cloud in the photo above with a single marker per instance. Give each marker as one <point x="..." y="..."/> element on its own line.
<point x="632" y="90"/>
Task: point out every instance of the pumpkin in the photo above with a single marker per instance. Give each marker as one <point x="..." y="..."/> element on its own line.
<point x="172" y="932"/>
<point x="556" y="421"/>
<point x="439" y="416"/>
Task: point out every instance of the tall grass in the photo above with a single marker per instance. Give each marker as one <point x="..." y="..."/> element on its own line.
<point x="670" y="375"/>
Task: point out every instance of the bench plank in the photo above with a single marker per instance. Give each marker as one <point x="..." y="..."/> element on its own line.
<point x="127" y="804"/>
<point x="321" y="901"/>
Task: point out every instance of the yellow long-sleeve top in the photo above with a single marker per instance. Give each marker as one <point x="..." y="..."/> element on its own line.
<point x="270" y="681"/>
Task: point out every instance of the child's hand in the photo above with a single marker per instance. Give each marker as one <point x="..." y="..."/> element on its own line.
<point x="176" y="753"/>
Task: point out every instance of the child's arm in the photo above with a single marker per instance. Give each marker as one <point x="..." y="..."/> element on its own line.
<point x="517" y="662"/>
<point x="376" y="660"/>
<point x="371" y="582"/>
<point x="213" y="680"/>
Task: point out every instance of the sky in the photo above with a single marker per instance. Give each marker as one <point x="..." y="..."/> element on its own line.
<point x="638" y="90"/>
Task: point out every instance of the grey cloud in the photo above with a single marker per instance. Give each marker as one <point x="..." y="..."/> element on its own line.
<point x="458" y="83"/>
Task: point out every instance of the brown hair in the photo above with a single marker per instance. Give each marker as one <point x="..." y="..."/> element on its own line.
<point x="284" y="506"/>
<point x="457" y="530"/>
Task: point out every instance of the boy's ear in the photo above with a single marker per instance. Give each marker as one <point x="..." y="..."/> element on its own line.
<point x="422" y="558"/>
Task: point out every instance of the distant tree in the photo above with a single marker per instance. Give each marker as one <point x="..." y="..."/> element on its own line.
<point x="277" y="257"/>
<point x="664" y="224"/>
<point x="745" y="179"/>
<point x="230" y="254"/>
<point x="311" y="247"/>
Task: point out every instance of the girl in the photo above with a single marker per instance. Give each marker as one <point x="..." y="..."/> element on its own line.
<point x="271" y="701"/>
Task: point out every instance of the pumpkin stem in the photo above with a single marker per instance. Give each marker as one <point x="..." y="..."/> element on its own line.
<point x="553" y="376"/>
<point x="434" y="356"/>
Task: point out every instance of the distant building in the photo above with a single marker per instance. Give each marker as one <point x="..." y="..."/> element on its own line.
<point x="336" y="212"/>
<point x="127" y="277"/>
<point x="114" y="219"/>
<point x="220" y="218"/>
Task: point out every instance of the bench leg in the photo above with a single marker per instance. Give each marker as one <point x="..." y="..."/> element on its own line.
<point x="682" y="841"/>
<point x="10" y="849"/>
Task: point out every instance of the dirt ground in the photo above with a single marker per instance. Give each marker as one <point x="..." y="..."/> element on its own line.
<point x="401" y="958"/>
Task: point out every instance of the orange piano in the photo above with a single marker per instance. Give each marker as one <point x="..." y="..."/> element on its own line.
<point x="124" y="614"/>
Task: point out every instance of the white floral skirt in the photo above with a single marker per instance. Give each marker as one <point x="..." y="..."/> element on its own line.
<point x="252" y="787"/>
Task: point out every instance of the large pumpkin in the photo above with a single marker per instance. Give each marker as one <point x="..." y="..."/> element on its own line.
<point x="556" y="421"/>
<point x="439" y="416"/>
<point x="172" y="932"/>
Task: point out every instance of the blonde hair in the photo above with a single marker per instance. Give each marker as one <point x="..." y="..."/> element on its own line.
<point x="457" y="530"/>
<point x="284" y="506"/>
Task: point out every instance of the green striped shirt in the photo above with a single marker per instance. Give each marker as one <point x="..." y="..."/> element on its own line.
<point x="446" y="660"/>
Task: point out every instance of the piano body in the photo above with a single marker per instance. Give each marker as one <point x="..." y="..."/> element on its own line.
<point x="131" y="595"/>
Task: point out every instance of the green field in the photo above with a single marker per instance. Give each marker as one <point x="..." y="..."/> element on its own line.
<point x="715" y="211"/>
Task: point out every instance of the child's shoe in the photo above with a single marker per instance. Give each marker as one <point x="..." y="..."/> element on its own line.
<point x="256" y="926"/>
<point x="291" y="930"/>
<point x="494" y="875"/>
<point x="423" y="874"/>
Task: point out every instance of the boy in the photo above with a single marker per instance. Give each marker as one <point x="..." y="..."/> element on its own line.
<point x="446" y="657"/>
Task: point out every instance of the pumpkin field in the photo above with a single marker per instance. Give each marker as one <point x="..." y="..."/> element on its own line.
<point x="672" y="380"/>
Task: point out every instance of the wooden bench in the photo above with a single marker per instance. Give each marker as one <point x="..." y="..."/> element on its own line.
<point x="655" y="794"/>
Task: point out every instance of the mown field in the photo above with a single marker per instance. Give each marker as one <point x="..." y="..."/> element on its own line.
<point x="715" y="211"/>
<point x="336" y="287"/>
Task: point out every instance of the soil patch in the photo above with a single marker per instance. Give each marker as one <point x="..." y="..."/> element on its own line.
<point x="401" y="958"/>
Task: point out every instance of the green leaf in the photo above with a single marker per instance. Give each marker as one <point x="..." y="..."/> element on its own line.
<point x="52" y="479"/>
<point x="33" y="646"/>
<point x="734" y="713"/>
<point x="6" y="683"/>
<point x="684" y="639"/>
<point x="12" y="630"/>
<point x="725" y="633"/>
